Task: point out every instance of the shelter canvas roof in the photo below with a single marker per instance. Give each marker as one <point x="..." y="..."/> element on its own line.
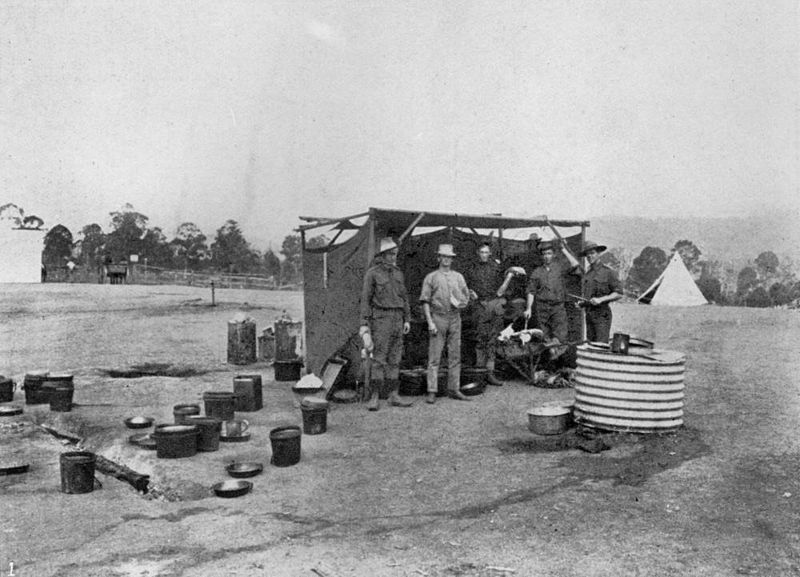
<point x="400" y="219"/>
<point x="674" y="287"/>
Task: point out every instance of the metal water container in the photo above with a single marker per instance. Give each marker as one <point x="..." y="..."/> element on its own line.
<point x="630" y="393"/>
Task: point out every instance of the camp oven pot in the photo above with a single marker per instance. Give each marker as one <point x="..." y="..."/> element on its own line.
<point x="549" y="419"/>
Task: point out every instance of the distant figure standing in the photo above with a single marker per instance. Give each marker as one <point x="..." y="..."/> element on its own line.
<point x="601" y="286"/>
<point x="444" y="294"/>
<point x="385" y="318"/>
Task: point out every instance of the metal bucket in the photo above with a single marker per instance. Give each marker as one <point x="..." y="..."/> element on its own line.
<point x="220" y="405"/>
<point x="183" y="411"/>
<point x="61" y="399"/>
<point x="288" y="340"/>
<point x="7" y="388"/>
<point x="315" y="415"/>
<point x="175" y="441"/>
<point x="549" y="419"/>
<point x="77" y="472"/>
<point x="287" y="370"/>
<point x="247" y="389"/>
<point x="34" y="392"/>
<point x="208" y="431"/>
<point x="285" y="446"/>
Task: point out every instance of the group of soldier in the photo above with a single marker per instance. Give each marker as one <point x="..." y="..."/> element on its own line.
<point x="445" y="293"/>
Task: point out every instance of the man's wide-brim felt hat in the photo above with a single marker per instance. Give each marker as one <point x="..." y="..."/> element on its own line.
<point x="446" y="250"/>
<point x="589" y="246"/>
<point x="386" y="244"/>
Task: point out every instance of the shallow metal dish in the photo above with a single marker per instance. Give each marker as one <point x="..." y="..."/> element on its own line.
<point x="235" y="438"/>
<point x="472" y="389"/>
<point x="232" y="488"/>
<point x="244" y="470"/>
<point x="14" y="469"/>
<point x="345" y="396"/>
<point x="139" y="422"/>
<point x="143" y="440"/>
<point x="10" y="411"/>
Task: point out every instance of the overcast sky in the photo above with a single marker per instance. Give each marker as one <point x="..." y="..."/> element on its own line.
<point x="262" y="111"/>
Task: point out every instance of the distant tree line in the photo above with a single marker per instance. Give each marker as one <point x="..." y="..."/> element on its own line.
<point x="764" y="282"/>
<point x="189" y="249"/>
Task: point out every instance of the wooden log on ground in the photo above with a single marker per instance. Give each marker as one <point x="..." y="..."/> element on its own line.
<point x="136" y="480"/>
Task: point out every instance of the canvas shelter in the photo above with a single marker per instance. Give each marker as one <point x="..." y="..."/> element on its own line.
<point x="333" y="274"/>
<point x="674" y="287"/>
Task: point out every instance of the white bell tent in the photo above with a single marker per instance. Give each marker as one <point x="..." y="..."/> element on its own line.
<point x="674" y="287"/>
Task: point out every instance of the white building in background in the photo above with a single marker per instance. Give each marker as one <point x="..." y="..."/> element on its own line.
<point x="20" y="254"/>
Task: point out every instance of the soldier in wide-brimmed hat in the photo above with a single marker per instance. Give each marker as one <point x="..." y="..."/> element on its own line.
<point x="444" y="294"/>
<point x="601" y="286"/>
<point x="547" y="291"/>
<point x="385" y="318"/>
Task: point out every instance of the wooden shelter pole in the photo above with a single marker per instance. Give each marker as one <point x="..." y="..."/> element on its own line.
<point x="410" y="228"/>
<point x="333" y="240"/>
<point x="370" y="238"/>
<point x="326" y="221"/>
<point x="500" y="243"/>
<point x="583" y="280"/>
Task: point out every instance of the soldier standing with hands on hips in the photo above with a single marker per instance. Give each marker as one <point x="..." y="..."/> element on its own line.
<point x="385" y="318"/>
<point x="444" y="294"/>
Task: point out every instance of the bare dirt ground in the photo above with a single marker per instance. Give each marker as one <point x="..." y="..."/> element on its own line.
<point x="444" y="490"/>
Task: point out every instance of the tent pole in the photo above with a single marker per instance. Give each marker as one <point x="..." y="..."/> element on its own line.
<point x="330" y="244"/>
<point x="500" y="243"/>
<point x="583" y="280"/>
<point x="410" y="228"/>
<point x="370" y="238"/>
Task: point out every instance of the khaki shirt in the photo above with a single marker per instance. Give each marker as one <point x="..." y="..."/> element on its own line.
<point x="601" y="280"/>
<point x="384" y="288"/>
<point x="546" y="284"/>
<point x="445" y="291"/>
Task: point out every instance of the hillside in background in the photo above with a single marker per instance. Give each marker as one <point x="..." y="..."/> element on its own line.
<point x="725" y="239"/>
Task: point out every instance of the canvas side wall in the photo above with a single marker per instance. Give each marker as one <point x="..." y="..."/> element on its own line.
<point x="331" y="292"/>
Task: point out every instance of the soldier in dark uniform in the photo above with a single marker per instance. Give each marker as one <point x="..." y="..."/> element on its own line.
<point x="547" y="291"/>
<point x="601" y="286"/>
<point x="485" y="281"/>
<point x="385" y="318"/>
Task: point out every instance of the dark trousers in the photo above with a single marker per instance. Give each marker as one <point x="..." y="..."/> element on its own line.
<point x="598" y="324"/>
<point x="386" y="328"/>
<point x="487" y="316"/>
<point x="552" y="319"/>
